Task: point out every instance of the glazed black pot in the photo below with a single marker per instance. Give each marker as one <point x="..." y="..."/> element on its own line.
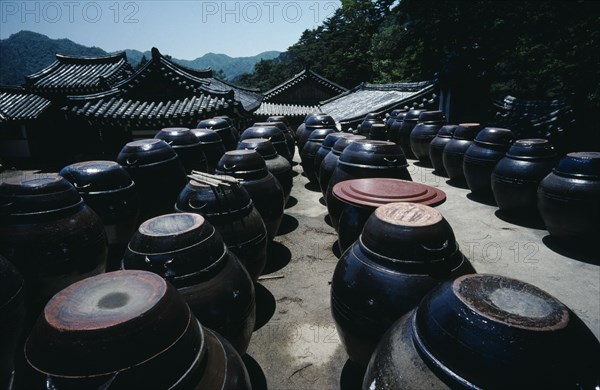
<point x="365" y="127"/>
<point x="400" y="131"/>
<point x="454" y="152"/>
<point x="486" y="332"/>
<point x="186" y="250"/>
<point x="273" y="134"/>
<point x="234" y="130"/>
<point x="329" y="163"/>
<point x="378" y="132"/>
<point x="231" y="211"/>
<point x="229" y="135"/>
<point x="392" y="117"/>
<point x="267" y="194"/>
<point x="287" y="133"/>
<point x="50" y="235"/>
<point x="424" y="132"/>
<point x="324" y="150"/>
<point x="276" y="164"/>
<point x="309" y="152"/>
<point x="436" y="148"/>
<point x="157" y="173"/>
<point x="393" y="126"/>
<point x="212" y="147"/>
<point x="364" y="159"/>
<point x="516" y="177"/>
<point x="313" y="122"/>
<point x="125" y="330"/>
<point x="489" y="146"/>
<point x="360" y="197"/>
<point x="187" y="146"/>
<point x="107" y="188"/>
<point x="404" y="251"/>
<point x="569" y="197"/>
<point x="12" y="316"/>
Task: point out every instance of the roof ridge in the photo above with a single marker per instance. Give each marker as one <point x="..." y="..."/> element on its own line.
<point x="111" y="57"/>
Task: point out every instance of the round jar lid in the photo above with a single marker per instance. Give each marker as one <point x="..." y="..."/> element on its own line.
<point x="374" y="192"/>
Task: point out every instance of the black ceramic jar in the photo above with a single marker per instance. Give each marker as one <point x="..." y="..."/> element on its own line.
<point x="424" y="132"/>
<point x="486" y="332"/>
<point x="229" y="208"/>
<point x="454" y="152"/>
<point x="187" y="146"/>
<point x="436" y="148"/>
<point x="489" y="146"/>
<point x="186" y="250"/>
<point x="313" y="122"/>
<point x="393" y="126"/>
<point x="309" y="152"/>
<point x="267" y="194"/>
<point x="516" y="177"/>
<point x="273" y="134"/>
<point x="12" y="316"/>
<point x="157" y="173"/>
<point x="569" y="197"/>
<point x="324" y="150"/>
<point x="370" y="119"/>
<point x="212" y="147"/>
<point x="392" y="117"/>
<point x="107" y="188"/>
<point x="229" y="135"/>
<point x="360" y="197"/>
<point x="329" y="163"/>
<point x="276" y="164"/>
<point x="378" y="132"/>
<point x="50" y="235"/>
<point x="287" y="133"/>
<point x="400" y="131"/>
<point x="404" y="251"/>
<point x="128" y="330"/>
<point x="364" y="159"/>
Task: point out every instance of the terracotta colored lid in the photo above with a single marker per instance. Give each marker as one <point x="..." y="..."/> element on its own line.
<point x="374" y="192"/>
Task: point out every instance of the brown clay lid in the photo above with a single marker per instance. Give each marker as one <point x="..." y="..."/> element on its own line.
<point x="374" y="192"/>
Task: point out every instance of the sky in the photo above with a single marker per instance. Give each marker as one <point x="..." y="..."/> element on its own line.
<point x="182" y="29"/>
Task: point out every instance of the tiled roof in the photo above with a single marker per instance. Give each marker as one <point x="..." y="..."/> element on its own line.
<point x="289" y="110"/>
<point x="534" y="118"/>
<point x="352" y="106"/>
<point x="79" y="75"/>
<point x="18" y="105"/>
<point x="165" y="92"/>
<point x="303" y="76"/>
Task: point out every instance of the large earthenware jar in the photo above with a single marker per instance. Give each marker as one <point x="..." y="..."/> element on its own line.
<point x="128" y="330"/>
<point x="234" y="130"/>
<point x="516" y="177"/>
<point x="229" y="208"/>
<point x="436" y="148"/>
<point x="378" y="132"/>
<point x="108" y="189"/>
<point x="276" y="164"/>
<point x="360" y="197"/>
<point x="489" y="146"/>
<point x="400" y="131"/>
<point x="49" y="234"/>
<point x="187" y="146"/>
<point x="187" y="250"/>
<point x="312" y="123"/>
<point x="454" y="151"/>
<point x="228" y="133"/>
<point x="324" y="150"/>
<point x="273" y="134"/>
<point x="331" y="159"/>
<point x="309" y="152"/>
<point x="212" y="147"/>
<point x="157" y="172"/>
<point x="404" y="251"/>
<point x="424" y="132"/>
<point x="569" y="197"/>
<point x="365" y="127"/>
<point x="267" y="194"/>
<point x="486" y="332"/>
<point x="12" y="315"/>
<point x="392" y="117"/>
<point x="287" y="133"/>
<point x="364" y="159"/>
<point x="394" y="125"/>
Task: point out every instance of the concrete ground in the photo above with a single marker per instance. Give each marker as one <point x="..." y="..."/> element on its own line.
<point x="298" y="348"/>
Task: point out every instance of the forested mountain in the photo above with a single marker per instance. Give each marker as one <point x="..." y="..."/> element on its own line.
<point x="531" y="49"/>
